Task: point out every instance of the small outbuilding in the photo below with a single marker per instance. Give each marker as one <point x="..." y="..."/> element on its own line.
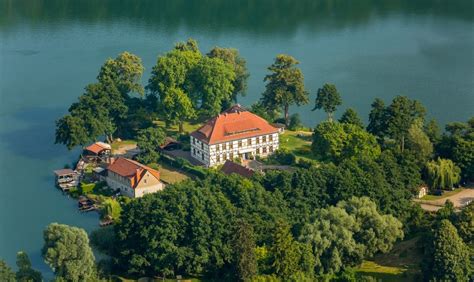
<point x="99" y="151"/>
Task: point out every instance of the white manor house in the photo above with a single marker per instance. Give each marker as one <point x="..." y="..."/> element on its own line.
<point x="233" y="133"/>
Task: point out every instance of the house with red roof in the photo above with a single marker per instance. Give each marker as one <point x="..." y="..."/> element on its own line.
<point x="234" y="133"/>
<point x="132" y="178"/>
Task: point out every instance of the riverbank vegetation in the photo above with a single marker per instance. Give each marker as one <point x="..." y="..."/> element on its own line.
<point x="347" y="199"/>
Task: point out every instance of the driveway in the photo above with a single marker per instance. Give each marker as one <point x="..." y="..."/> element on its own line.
<point x="459" y="200"/>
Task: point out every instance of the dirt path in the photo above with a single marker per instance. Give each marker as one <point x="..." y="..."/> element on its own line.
<point x="459" y="200"/>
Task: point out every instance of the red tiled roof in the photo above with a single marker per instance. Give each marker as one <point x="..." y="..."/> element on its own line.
<point x="230" y="167"/>
<point x="97" y="147"/>
<point x="233" y="124"/>
<point x="132" y="170"/>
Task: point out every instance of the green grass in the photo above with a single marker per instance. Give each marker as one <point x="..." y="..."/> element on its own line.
<point x="402" y="263"/>
<point x="445" y="195"/>
<point x="173" y="130"/>
<point x="169" y="174"/>
<point x="117" y="144"/>
<point x="297" y="142"/>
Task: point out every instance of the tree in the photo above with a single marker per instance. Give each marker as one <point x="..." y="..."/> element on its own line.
<point x="269" y="115"/>
<point x="465" y="224"/>
<point x="125" y="72"/>
<point x="111" y="209"/>
<point x="284" y="251"/>
<point x="378" y="119"/>
<point x="401" y="114"/>
<point x="328" y="99"/>
<point x="350" y="116"/>
<point x="231" y="56"/>
<point x="244" y="248"/>
<point x="377" y="232"/>
<point x="189" y="45"/>
<point x="451" y="256"/>
<point x="211" y="85"/>
<point x="177" y="107"/>
<point x="149" y="141"/>
<point x="419" y="143"/>
<point x="330" y="235"/>
<point x="442" y="173"/>
<point x="25" y="272"/>
<point x="172" y="70"/>
<point x="285" y="86"/>
<point x="295" y="122"/>
<point x="6" y="273"/>
<point x="335" y="142"/>
<point x="432" y="131"/>
<point x="66" y="250"/>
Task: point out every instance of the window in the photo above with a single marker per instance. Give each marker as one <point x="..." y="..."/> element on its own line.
<point x="249" y="142"/>
<point x="270" y="137"/>
<point x="231" y="156"/>
<point x="202" y="156"/>
<point x="231" y="145"/>
<point x="264" y="139"/>
<point x="194" y="151"/>
<point x="264" y="150"/>
<point x="240" y="144"/>
<point x="258" y="140"/>
<point x="194" y="141"/>
<point x="271" y="149"/>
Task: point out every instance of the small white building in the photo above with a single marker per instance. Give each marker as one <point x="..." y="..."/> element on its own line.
<point x="132" y="178"/>
<point x="234" y="133"/>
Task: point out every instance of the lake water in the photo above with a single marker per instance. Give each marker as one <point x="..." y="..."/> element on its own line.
<point x="49" y="50"/>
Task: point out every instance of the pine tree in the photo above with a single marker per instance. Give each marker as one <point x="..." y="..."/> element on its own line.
<point x="244" y="247"/>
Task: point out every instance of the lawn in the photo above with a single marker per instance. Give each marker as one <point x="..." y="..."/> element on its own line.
<point x="445" y="195"/>
<point x="297" y="142"/>
<point x="172" y="130"/>
<point x="118" y="144"/>
<point x="402" y="263"/>
<point x="171" y="175"/>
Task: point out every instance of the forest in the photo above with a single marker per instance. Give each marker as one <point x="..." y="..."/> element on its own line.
<point x="316" y="222"/>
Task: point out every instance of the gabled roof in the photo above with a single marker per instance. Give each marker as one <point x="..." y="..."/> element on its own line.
<point x="233" y="124"/>
<point x="230" y="167"/>
<point x="65" y="171"/>
<point x="98" y="147"/>
<point x="132" y="170"/>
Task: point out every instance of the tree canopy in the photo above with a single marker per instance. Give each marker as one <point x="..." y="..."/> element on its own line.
<point x="442" y="174"/>
<point x="350" y="116"/>
<point x="149" y="141"/>
<point x="285" y="86"/>
<point x="6" y="273"/>
<point x="25" y="272"/>
<point x="66" y="250"/>
<point x="328" y="99"/>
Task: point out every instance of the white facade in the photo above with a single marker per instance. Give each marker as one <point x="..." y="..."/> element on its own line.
<point x="245" y="148"/>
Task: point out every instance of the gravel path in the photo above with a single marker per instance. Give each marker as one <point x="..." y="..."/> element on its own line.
<point x="459" y="200"/>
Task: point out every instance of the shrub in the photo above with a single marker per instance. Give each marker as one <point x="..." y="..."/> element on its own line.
<point x="86" y="188"/>
<point x="284" y="157"/>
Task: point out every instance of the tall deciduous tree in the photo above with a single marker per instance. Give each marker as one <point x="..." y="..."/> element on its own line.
<point x="244" y="248"/>
<point x="66" y="250"/>
<point x="285" y="85"/>
<point x="25" y="272"/>
<point x="231" y="56"/>
<point x="212" y="85"/>
<point x="334" y="141"/>
<point x="177" y="107"/>
<point x="125" y="71"/>
<point x="149" y="141"/>
<point x="328" y="99"/>
<point x="350" y="116"/>
<point x="451" y="256"/>
<point x="442" y="173"/>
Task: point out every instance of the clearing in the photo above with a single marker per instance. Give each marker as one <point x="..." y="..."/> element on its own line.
<point x="402" y="263"/>
<point x="298" y="142"/>
<point x="459" y="197"/>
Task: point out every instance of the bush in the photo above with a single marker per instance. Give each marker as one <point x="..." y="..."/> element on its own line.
<point x="86" y="188"/>
<point x="284" y="157"/>
<point x="304" y="163"/>
<point x="295" y="122"/>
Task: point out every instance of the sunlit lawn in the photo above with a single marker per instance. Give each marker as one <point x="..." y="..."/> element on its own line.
<point x="117" y="144"/>
<point x="173" y="130"/>
<point x="298" y="142"/>
<point x="402" y="263"/>
<point x="445" y="195"/>
<point x="171" y="175"/>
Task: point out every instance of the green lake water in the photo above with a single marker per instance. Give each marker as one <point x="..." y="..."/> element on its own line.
<point x="49" y="50"/>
